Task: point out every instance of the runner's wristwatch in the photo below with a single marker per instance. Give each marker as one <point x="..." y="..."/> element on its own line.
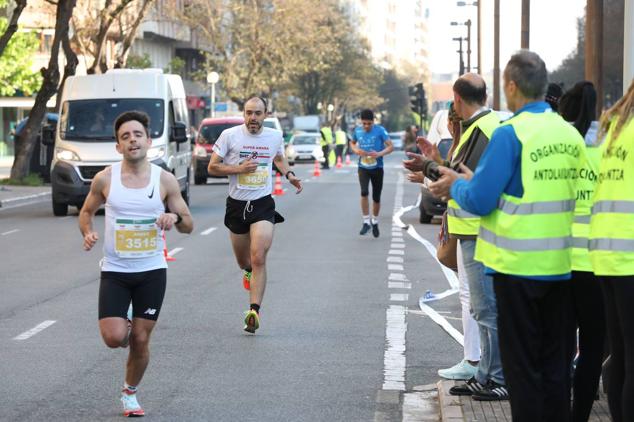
<point x="289" y="172"/>
<point x="178" y="218"/>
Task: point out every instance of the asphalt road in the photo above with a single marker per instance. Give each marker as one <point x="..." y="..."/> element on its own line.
<point x="328" y="348"/>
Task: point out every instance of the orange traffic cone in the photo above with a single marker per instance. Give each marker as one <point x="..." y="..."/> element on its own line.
<point x="339" y="165"/>
<point x="317" y="171"/>
<point x="278" y="191"/>
<point x="168" y="257"/>
<point x="348" y="159"/>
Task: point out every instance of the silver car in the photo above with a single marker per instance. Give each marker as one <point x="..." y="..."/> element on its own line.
<point x="305" y="147"/>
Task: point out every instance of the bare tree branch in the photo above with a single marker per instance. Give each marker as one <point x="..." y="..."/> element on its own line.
<point x="13" y="24"/>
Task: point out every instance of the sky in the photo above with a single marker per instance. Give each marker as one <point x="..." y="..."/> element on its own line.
<point x="553" y="31"/>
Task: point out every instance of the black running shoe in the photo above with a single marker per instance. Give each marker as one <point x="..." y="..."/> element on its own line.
<point x="467" y="389"/>
<point x="492" y="392"/>
<point x="364" y="229"/>
<point x="375" y="230"/>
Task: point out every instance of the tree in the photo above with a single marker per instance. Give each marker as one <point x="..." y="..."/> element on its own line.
<point x="15" y="63"/>
<point x="394" y="90"/>
<point x="50" y="75"/>
<point x="12" y="24"/>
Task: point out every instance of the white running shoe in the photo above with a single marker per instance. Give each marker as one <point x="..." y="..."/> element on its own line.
<point x="131" y="407"/>
<point x="463" y="370"/>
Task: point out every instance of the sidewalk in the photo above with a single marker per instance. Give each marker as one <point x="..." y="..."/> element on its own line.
<point x="459" y="409"/>
<point x="15" y="196"/>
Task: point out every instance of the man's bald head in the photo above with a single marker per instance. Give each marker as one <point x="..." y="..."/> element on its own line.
<point x="471" y="88"/>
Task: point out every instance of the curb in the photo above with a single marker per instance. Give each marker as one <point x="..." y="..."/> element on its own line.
<point x="24" y="200"/>
<point x="450" y="406"/>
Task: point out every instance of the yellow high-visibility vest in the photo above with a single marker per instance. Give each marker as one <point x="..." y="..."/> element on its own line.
<point x="611" y="242"/>
<point x="532" y="235"/>
<point x="327" y="132"/>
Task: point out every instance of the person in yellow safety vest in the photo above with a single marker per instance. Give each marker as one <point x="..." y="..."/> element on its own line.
<point x="612" y="249"/>
<point x="341" y="140"/>
<point x="326" y="141"/>
<point x="578" y="106"/>
<point x="524" y="189"/>
<point x="486" y="381"/>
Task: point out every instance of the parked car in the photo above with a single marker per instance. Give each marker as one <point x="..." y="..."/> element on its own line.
<point x="208" y="132"/>
<point x="397" y="140"/>
<point x="304" y="146"/>
<point x="273" y="123"/>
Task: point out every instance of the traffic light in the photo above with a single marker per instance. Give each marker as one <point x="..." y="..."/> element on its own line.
<point x="417" y="99"/>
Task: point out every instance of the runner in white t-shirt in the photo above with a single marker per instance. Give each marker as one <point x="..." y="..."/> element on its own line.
<point x="246" y="154"/>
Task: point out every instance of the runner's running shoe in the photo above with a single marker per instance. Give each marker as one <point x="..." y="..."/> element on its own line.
<point x="251" y="321"/>
<point x="364" y="229"/>
<point x="131" y="407"/>
<point x="375" y="229"/>
<point x="246" y="280"/>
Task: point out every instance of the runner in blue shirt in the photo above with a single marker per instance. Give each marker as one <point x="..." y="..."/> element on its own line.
<point x="370" y="142"/>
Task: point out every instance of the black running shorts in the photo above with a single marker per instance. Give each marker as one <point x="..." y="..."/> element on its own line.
<point x="145" y="289"/>
<point x="374" y="176"/>
<point x="240" y="215"/>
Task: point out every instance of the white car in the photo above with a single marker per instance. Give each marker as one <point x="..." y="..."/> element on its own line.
<point x="397" y="139"/>
<point x="305" y="146"/>
<point x="273" y="123"/>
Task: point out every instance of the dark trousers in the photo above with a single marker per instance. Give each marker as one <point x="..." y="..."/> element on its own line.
<point x="531" y="331"/>
<point x="619" y="297"/>
<point x="339" y="151"/>
<point x="326" y="150"/>
<point x="587" y="314"/>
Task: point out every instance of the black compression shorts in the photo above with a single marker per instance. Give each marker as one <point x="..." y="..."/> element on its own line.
<point x="375" y="176"/>
<point x="240" y="215"/>
<point x="145" y="289"/>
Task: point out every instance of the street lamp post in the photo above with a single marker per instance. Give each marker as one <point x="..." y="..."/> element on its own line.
<point x="212" y="79"/>
<point x="330" y="109"/>
<point x="468" y="39"/>
<point x="461" y="65"/>
<point x="479" y="21"/>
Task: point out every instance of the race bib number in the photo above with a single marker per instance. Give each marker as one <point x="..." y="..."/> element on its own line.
<point x="368" y="161"/>
<point x="256" y="180"/>
<point x="136" y="238"/>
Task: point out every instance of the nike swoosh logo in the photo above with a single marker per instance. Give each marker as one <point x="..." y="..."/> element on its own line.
<point x="152" y="193"/>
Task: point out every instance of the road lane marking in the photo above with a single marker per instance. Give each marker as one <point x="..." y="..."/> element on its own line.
<point x="397" y="277"/>
<point x="399" y="297"/>
<point x="398" y="285"/>
<point x="209" y="230"/>
<point x="397" y="245"/>
<point x="395" y="267"/>
<point x="394" y="259"/>
<point x="174" y="251"/>
<point x="33" y="331"/>
<point x="10" y="232"/>
<point x="394" y="363"/>
<point x="396" y="252"/>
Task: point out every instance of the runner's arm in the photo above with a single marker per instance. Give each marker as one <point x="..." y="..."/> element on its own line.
<point x="282" y="164"/>
<point x="217" y="168"/>
<point x="93" y="201"/>
<point x="387" y="150"/>
<point x="177" y="206"/>
<point x="356" y="149"/>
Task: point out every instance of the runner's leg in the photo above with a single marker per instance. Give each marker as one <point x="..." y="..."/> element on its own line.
<point x="241" y="244"/>
<point x="114" y="299"/>
<point x="261" y="234"/>
<point x="377" y="187"/>
<point x="139" y="356"/>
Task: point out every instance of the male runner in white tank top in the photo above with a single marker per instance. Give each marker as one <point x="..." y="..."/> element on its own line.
<point x="245" y="153"/>
<point x="133" y="269"/>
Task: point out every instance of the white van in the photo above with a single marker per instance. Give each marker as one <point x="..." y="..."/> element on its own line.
<point x="84" y="139"/>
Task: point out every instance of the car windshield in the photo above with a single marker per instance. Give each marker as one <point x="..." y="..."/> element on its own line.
<point x="210" y="133"/>
<point x="93" y="120"/>
<point x="269" y="123"/>
<point x="397" y="137"/>
<point x="305" y="140"/>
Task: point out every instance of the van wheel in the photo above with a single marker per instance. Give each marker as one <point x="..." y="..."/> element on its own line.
<point x="59" y="209"/>
<point x="200" y="179"/>
<point x="424" y="217"/>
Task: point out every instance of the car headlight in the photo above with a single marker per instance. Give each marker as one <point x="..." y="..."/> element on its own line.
<point x="66" y="155"/>
<point x="200" y="151"/>
<point x="154" y="153"/>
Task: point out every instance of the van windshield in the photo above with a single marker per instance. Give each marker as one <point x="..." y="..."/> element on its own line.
<point x="93" y="120"/>
<point x="210" y="133"/>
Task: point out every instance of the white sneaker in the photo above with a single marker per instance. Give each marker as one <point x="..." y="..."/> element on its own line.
<point x="131" y="407"/>
<point x="463" y="370"/>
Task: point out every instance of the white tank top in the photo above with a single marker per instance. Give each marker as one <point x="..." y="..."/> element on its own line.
<point x="132" y="242"/>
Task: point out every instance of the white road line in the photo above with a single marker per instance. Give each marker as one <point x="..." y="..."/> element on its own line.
<point x="396" y="252"/>
<point x="209" y="230"/>
<point x="397" y="240"/>
<point x="440" y="320"/>
<point x="33" y="331"/>
<point x="397" y="277"/>
<point x="394" y="363"/>
<point x="399" y="297"/>
<point x="398" y="285"/>
<point x="10" y="232"/>
<point x="395" y="267"/>
<point x="174" y="251"/>
<point x="394" y="259"/>
<point x="397" y="245"/>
